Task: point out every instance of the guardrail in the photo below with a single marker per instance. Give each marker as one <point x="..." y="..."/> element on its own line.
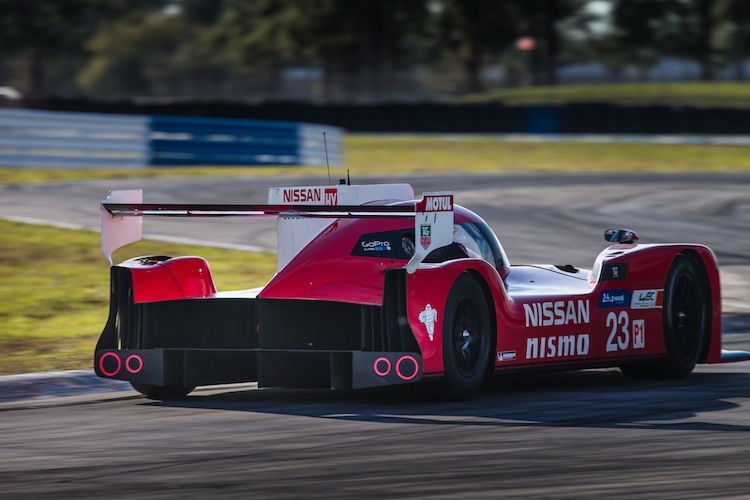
<point x="212" y="141"/>
<point x="54" y="139"/>
<point x="61" y="139"/>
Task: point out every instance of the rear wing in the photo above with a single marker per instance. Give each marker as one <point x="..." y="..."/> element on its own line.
<point x="123" y="211"/>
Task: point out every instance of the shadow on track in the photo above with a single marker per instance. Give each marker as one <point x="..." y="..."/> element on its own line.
<point x="594" y="398"/>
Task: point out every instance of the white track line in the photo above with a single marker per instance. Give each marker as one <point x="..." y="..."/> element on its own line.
<point x="148" y="236"/>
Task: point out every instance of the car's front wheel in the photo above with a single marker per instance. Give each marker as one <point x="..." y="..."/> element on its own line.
<point x="685" y="321"/>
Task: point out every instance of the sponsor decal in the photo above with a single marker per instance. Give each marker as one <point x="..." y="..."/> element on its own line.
<point x="429" y="317"/>
<point x="301" y="195"/>
<point x="558" y="346"/>
<point x="639" y="334"/>
<point x="647" y="299"/>
<point x="622" y="329"/>
<point x="331" y="196"/>
<point x="619" y="331"/>
<point x="615" y="272"/>
<point x="383" y="244"/>
<point x="376" y="246"/>
<point x="614" y="298"/>
<point x="425" y="235"/>
<point x="506" y="355"/>
<point x="443" y="203"/>
<point x="561" y="312"/>
<point x="328" y="196"/>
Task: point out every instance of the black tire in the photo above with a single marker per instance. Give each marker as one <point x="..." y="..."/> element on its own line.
<point x="466" y="339"/>
<point x="685" y="322"/>
<point x="162" y="393"/>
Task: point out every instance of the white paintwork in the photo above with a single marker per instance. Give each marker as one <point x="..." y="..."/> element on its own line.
<point x="295" y="233"/>
<point x="120" y="231"/>
<point x="345" y="194"/>
<point x="440" y="224"/>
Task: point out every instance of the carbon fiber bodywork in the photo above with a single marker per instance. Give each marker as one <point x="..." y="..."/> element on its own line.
<point x="276" y="342"/>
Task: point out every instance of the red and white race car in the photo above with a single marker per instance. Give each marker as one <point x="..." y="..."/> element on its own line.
<point x="376" y="288"/>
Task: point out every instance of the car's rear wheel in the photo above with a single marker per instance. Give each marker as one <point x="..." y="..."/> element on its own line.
<point x="159" y="392"/>
<point x="466" y="339"/>
<point x="686" y="308"/>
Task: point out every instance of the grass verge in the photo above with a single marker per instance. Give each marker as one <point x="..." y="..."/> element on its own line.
<point x="54" y="297"/>
<point x="414" y="154"/>
<point x="688" y="94"/>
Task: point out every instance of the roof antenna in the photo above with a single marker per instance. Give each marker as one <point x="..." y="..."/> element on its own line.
<point x="325" y="144"/>
<point x="348" y="179"/>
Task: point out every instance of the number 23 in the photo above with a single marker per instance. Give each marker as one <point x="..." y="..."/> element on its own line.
<point x="619" y="335"/>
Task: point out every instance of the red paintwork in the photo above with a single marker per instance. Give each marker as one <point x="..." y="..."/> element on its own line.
<point x="325" y="270"/>
<point x="177" y="278"/>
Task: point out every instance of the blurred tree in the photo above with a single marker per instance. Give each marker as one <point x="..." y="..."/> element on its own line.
<point x="198" y="59"/>
<point x="259" y="35"/>
<point x="737" y="18"/>
<point x="362" y="38"/>
<point x="136" y="55"/>
<point x="539" y="19"/>
<point x="699" y="22"/>
<point x="203" y="12"/>
<point x="42" y="29"/>
<point x="365" y="40"/>
<point x="649" y="29"/>
<point x="731" y="36"/>
<point x="641" y="30"/>
<point x="474" y="29"/>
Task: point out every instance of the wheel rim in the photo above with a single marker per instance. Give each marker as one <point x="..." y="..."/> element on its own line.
<point x="686" y="315"/>
<point x="467" y="336"/>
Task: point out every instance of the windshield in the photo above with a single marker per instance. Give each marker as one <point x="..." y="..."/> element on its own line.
<point x="478" y="240"/>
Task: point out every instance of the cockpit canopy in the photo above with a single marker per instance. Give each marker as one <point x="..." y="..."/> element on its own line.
<point x="477" y="239"/>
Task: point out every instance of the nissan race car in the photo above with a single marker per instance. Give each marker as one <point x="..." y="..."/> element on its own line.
<point x="375" y="288"/>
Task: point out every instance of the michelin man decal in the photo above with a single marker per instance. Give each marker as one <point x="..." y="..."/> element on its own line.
<point x="429" y="317"/>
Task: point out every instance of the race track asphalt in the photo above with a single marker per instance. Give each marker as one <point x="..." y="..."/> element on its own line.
<point x="584" y="434"/>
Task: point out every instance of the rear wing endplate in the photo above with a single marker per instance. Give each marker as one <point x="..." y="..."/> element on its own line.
<point x="123" y="211"/>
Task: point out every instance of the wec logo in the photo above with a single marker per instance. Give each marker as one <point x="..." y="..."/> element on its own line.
<point x="647" y="299"/>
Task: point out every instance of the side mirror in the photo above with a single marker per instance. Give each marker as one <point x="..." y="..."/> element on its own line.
<point x="620" y="236"/>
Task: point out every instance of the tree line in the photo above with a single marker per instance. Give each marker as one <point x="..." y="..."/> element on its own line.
<point x="116" y="48"/>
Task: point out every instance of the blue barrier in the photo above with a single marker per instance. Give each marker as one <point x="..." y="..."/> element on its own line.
<point x="214" y="141"/>
<point x="59" y="139"/>
<point x="542" y="120"/>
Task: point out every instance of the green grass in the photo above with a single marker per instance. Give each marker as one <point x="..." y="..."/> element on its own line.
<point x="430" y="155"/>
<point x="54" y="297"/>
<point x="695" y="94"/>
<point x="415" y="154"/>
